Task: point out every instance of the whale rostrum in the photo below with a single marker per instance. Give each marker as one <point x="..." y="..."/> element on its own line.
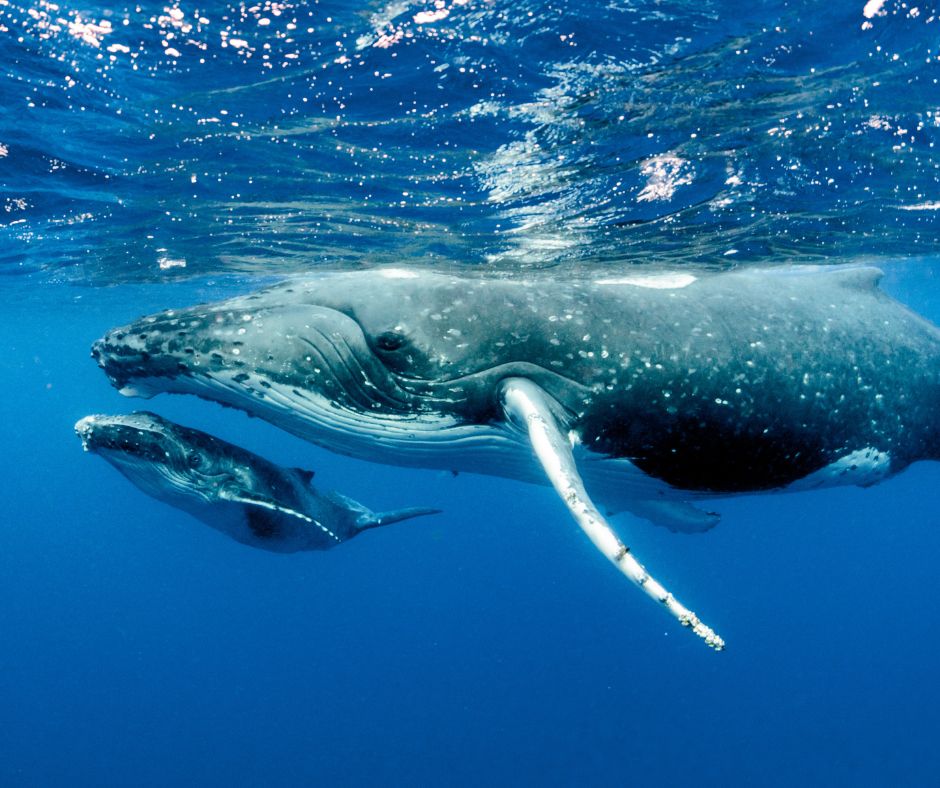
<point x="647" y="392"/>
<point x="235" y="491"/>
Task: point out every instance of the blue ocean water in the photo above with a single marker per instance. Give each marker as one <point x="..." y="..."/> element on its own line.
<point x="157" y="155"/>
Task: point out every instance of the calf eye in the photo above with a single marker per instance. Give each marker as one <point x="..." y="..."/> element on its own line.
<point x="194" y="460"/>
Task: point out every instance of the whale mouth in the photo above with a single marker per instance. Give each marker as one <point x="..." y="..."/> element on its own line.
<point x="128" y="366"/>
<point x="134" y="435"/>
<point x="318" y="372"/>
<point x="308" y="369"/>
<point x="85" y="429"/>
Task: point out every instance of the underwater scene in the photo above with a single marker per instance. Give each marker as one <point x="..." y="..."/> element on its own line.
<point x="470" y="392"/>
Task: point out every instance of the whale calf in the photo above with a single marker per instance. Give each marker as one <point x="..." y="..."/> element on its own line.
<point x="645" y="391"/>
<point x="245" y="496"/>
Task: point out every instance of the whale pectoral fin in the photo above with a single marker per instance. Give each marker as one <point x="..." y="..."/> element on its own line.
<point x="263" y="503"/>
<point x="530" y="408"/>
<point x="261" y="511"/>
<point x="263" y="523"/>
<point x="375" y="519"/>
<point x="677" y="516"/>
<point x="265" y="518"/>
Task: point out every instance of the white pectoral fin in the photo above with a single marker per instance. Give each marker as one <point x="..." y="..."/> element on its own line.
<point x="531" y="408"/>
<point x="277" y="509"/>
<point x="271" y="510"/>
<point x="264" y="504"/>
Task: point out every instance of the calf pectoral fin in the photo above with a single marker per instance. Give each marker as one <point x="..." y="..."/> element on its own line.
<point x="532" y="409"/>
<point x="263" y="503"/>
<point x="677" y="516"/>
<point x="263" y="514"/>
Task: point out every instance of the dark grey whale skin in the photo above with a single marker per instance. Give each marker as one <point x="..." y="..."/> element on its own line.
<point x="237" y="492"/>
<point x="738" y="381"/>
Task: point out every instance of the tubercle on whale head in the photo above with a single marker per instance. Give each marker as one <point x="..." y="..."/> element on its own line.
<point x="85" y="429"/>
<point x="171" y="350"/>
<point x="299" y="363"/>
<point x="145" y="444"/>
<point x="141" y="434"/>
<point x="304" y="364"/>
<point x="338" y="359"/>
<point x="127" y="360"/>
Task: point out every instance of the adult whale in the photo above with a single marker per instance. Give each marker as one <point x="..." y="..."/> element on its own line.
<point x="235" y="491"/>
<point x="650" y="390"/>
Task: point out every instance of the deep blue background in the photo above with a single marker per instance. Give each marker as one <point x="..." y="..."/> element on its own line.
<point x="491" y="644"/>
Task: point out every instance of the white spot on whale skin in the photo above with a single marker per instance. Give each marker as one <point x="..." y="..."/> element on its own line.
<point x="398" y="273"/>
<point x="137" y="390"/>
<point x="654" y="281"/>
<point x="863" y="467"/>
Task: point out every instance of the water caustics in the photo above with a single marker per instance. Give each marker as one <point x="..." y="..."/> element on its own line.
<point x="162" y="140"/>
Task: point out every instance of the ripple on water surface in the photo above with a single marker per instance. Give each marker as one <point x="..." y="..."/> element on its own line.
<point x="159" y="140"/>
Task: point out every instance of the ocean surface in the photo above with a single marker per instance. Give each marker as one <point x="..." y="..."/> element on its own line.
<point x="156" y="155"/>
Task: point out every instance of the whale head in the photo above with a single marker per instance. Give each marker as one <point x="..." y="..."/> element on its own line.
<point x="170" y="462"/>
<point x="364" y="363"/>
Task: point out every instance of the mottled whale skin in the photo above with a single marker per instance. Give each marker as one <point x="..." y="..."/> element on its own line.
<point x="244" y="496"/>
<point x="643" y="391"/>
<point x="719" y="383"/>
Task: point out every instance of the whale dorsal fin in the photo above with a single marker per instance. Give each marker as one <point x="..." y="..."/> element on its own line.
<point x="860" y="278"/>
<point x="857" y="277"/>
<point x="305" y="475"/>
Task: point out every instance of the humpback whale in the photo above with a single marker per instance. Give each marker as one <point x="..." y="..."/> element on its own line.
<point x="643" y="391"/>
<point x="253" y="501"/>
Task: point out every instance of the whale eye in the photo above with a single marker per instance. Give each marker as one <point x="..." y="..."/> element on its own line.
<point x="194" y="460"/>
<point x="390" y="341"/>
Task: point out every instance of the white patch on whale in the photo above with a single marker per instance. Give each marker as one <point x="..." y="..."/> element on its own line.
<point x="654" y="282"/>
<point x="397" y="273"/>
<point x="863" y="467"/>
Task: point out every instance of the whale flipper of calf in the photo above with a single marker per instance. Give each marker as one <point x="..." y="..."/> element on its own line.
<point x="650" y="391"/>
<point x="254" y="501"/>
